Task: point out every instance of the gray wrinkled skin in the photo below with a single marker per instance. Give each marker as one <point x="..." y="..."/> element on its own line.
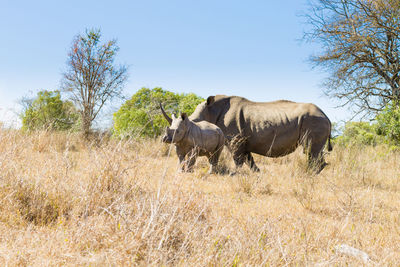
<point x="194" y="139"/>
<point x="272" y="129"/>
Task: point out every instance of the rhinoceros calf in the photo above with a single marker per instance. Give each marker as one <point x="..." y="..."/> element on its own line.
<point x="194" y="139"/>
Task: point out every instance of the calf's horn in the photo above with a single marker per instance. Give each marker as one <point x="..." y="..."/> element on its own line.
<point x="165" y="115"/>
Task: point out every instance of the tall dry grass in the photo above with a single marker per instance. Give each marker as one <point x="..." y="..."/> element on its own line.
<point x="64" y="201"/>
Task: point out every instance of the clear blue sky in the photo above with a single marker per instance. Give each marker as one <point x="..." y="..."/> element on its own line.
<point x="247" y="48"/>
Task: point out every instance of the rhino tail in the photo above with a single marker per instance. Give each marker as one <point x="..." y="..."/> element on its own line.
<point x="329" y="143"/>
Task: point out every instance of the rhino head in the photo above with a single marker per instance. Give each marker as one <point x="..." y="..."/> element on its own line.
<point x="178" y="127"/>
<point x="203" y="112"/>
<point x="177" y="131"/>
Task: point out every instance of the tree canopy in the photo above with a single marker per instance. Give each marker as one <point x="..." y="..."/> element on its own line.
<point x="92" y="78"/>
<point x="141" y="115"/>
<point x="48" y="112"/>
<point x="360" y="50"/>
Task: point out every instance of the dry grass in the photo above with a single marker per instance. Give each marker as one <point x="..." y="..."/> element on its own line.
<point x="67" y="202"/>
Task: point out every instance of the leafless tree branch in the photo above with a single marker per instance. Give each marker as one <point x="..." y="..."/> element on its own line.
<point x="92" y="80"/>
<point x="360" y="50"/>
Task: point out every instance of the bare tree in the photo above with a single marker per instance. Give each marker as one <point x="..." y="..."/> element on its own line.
<point x="360" y="50"/>
<point x="92" y="79"/>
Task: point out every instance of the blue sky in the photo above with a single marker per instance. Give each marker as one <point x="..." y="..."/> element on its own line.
<point x="247" y="48"/>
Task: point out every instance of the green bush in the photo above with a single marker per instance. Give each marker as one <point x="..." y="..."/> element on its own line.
<point x="360" y="133"/>
<point x="48" y="112"/>
<point x="141" y="115"/>
<point x="388" y="123"/>
<point x="385" y="129"/>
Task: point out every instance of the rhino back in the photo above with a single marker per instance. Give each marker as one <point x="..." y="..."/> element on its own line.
<point x="270" y="128"/>
<point x="206" y="135"/>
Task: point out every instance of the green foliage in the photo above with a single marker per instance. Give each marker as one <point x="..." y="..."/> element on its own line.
<point x="141" y="115"/>
<point x="360" y="133"/>
<point x="388" y="123"/>
<point x="48" y="112"/>
<point x="384" y="130"/>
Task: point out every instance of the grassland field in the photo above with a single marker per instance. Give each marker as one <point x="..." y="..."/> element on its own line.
<point x="66" y="201"/>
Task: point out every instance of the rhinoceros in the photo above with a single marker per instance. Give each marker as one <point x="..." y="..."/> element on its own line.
<point x="194" y="139"/>
<point x="272" y="129"/>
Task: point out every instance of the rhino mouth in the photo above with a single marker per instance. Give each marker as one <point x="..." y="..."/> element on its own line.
<point x="167" y="139"/>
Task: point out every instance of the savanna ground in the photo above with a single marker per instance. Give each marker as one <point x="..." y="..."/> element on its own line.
<point x="69" y="202"/>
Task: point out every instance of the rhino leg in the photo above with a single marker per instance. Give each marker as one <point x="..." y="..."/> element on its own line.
<point x="182" y="162"/>
<point x="251" y="163"/>
<point x="316" y="162"/>
<point x="238" y="159"/>
<point x="247" y="158"/>
<point x="192" y="156"/>
<point x="315" y="132"/>
<point x="237" y="146"/>
<point x="213" y="166"/>
<point x="213" y="160"/>
<point x="182" y="154"/>
<point x="315" y="156"/>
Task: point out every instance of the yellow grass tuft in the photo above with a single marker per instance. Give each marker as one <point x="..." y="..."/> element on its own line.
<point x="65" y="201"/>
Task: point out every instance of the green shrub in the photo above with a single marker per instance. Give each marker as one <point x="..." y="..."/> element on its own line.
<point x="360" y="133"/>
<point x="48" y="112"/>
<point x="388" y="123"/>
<point x="141" y="115"/>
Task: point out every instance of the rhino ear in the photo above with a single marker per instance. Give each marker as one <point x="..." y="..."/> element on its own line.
<point x="210" y="100"/>
<point x="184" y="116"/>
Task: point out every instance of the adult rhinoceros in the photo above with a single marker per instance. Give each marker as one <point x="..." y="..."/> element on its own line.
<point x="271" y="129"/>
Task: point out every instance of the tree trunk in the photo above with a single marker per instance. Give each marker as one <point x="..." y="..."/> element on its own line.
<point x="85" y="127"/>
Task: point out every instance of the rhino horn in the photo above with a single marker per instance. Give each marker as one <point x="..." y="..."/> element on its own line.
<point x="165" y="115"/>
